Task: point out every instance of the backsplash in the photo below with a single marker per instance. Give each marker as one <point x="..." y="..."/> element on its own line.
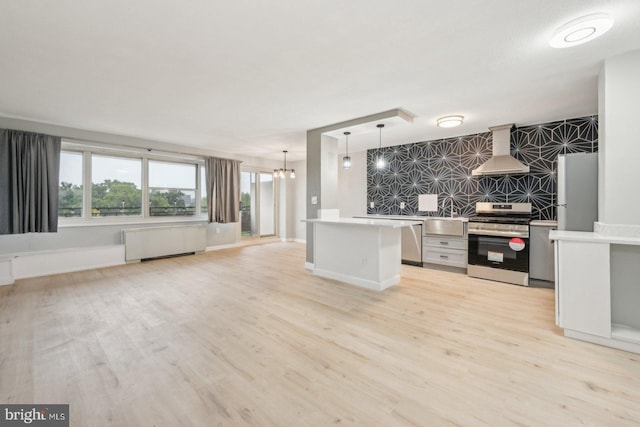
<point x="444" y="167"/>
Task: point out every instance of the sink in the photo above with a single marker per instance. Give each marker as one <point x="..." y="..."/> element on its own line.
<point x="447" y="218"/>
<point x="444" y="226"/>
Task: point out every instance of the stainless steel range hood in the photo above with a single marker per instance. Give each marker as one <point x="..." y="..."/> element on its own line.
<point x="501" y="162"/>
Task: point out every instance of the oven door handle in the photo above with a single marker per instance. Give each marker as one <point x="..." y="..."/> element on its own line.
<point x="499" y="233"/>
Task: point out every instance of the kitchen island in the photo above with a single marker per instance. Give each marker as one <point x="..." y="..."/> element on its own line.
<point x="359" y="251"/>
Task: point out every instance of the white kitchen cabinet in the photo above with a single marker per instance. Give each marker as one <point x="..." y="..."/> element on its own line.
<point x="597" y="288"/>
<point x="583" y="298"/>
<point x="445" y="242"/>
<point x="449" y="257"/>
<point x="442" y="249"/>
<point x="359" y="251"/>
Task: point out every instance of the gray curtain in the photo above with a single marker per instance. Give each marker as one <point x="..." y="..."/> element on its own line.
<point x="29" y="170"/>
<point x="223" y="189"/>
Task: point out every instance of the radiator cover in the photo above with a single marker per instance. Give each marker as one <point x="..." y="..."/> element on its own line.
<point x="154" y="242"/>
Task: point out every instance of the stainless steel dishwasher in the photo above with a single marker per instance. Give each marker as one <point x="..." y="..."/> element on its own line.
<point x="412" y="245"/>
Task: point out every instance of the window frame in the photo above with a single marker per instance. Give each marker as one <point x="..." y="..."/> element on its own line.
<point x="196" y="189"/>
<point x="84" y="193"/>
<point x="90" y="200"/>
<point x="276" y="204"/>
<point x="89" y="149"/>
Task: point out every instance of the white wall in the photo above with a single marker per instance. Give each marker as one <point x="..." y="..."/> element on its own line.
<point x="619" y="145"/>
<point x="299" y="204"/>
<point x="287" y="189"/>
<point x="329" y="172"/>
<point x="352" y="185"/>
<point x="267" y="208"/>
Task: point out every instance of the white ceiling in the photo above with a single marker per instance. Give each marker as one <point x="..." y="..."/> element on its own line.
<point x="250" y="77"/>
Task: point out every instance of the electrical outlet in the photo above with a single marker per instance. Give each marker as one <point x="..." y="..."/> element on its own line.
<point x="217" y="230"/>
<point x="314" y="200"/>
<point x="402" y="205"/>
<point x="372" y="205"/>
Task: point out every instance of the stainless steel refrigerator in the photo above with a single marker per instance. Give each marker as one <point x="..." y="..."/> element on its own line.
<point x="577" y="191"/>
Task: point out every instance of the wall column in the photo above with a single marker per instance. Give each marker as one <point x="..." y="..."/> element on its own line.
<point x="322" y="166"/>
<point x="322" y="179"/>
<point x="619" y="146"/>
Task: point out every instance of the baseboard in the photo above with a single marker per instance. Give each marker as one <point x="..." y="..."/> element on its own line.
<point x="259" y="241"/>
<point x="309" y="266"/>
<point x="292" y="239"/>
<point x="217" y="248"/>
<point x="607" y="342"/>
<point x="448" y="268"/>
<point x="358" y="281"/>
<point x="247" y="242"/>
<point x="44" y="263"/>
<point x="6" y="271"/>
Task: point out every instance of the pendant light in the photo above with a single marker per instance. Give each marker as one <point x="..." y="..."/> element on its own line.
<point x="380" y="163"/>
<point x="281" y="173"/>
<point x="346" y="160"/>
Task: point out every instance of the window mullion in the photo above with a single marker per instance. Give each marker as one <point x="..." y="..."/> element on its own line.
<point x="145" y="187"/>
<point x="198" y="191"/>
<point x="86" y="185"/>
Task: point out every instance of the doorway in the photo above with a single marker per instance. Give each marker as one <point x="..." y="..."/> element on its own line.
<point x="258" y="204"/>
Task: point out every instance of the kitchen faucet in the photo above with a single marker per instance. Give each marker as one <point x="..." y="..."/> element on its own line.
<point x="445" y="200"/>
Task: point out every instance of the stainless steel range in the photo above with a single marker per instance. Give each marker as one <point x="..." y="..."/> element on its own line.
<point x="499" y="242"/>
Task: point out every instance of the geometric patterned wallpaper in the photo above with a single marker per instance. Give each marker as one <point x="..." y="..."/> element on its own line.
<point x="444" y="167"/>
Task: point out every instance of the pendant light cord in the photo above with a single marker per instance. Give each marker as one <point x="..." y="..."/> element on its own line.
<point x="346" y="134"/>
<point x="380" y="126"/>
<point x="380" y="163"/>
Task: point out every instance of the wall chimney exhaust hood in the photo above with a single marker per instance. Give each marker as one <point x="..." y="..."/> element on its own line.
<point x="501" y="161"/>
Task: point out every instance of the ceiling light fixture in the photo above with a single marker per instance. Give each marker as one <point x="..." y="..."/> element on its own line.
<point x="280" y="173"/>
<point x="581" y="30"/>
<point x="346" y="160"/>
<point x="449" y="121"/>
<point x="380" y="163"/>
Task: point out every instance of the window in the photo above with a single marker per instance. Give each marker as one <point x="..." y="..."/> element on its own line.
<point x="99" y="182"/>
<point x="257" y="200"/>
<point x="70" y="185"/>
<point x="172" y="189"/>
<point x="116" y="186"/>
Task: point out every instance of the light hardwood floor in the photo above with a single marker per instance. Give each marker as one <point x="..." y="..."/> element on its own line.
<point x="246" y="336"/>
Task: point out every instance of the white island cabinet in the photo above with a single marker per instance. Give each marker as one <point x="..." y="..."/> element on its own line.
<point x="359" y="251"/>
<point x="597" y="288"/>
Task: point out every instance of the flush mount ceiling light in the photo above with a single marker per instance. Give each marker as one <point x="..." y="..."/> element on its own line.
<point x="346" y="160"/>
<point x="280" y="173"/>
<point x="449" y="121"/>
<point x="581" y="30"/>
<point x="380" y="163"/>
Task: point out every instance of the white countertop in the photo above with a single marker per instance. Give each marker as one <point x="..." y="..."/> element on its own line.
<point x="583" y="236"/>
<point x="413" y="217"/>
<point x="377" y="222"/>
<point x="544" y="223"/>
